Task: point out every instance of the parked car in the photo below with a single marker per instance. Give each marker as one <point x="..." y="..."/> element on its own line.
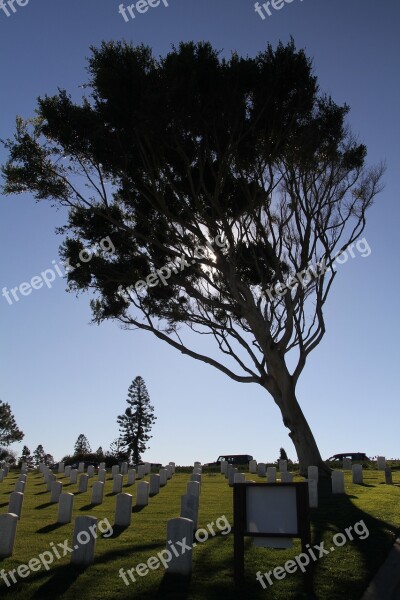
<point x="232" y="459"/>
<point x="353" y="456"/>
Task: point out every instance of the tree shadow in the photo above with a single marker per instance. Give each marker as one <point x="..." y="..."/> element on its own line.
<point x="173" y="586"/>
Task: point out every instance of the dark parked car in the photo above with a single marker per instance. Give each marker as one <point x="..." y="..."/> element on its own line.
<point x="232" y="459"/>
<point x="353" y="456"/>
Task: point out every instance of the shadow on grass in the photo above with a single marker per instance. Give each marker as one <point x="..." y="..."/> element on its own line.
<point x="62" y="579"/>
<point x="88" y="506"/>
<point x="173" y="586"/>
<point x="49" y="528"/>
<point x="4" y="504"/>
<point x="137" y="508"/>
<point x="41" y="493"/>
<point x="117" y="531"/>
<point x="45" y="505"/>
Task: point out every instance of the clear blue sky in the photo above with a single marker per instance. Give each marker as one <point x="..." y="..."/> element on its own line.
<point x="64" y="377"/>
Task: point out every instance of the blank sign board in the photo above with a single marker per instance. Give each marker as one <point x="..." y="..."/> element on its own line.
<point x="271" y="509"/>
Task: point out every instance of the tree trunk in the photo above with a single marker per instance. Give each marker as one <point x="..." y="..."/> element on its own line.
<point x="300" y="432"/>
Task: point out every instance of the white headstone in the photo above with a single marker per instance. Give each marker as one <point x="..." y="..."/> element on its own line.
<point x="231" y="475"/>
<point x="178" y="530"/>
<point x="261" y="470"/>
<point x="22" y="477"/>
<point x="83" y="483"/>
<point x="190" y="508"/>
<point x="15" y="503"/>
<point x="346" y="464"/>
<point x="84" y="540"/>
<point x="224" y="466"/>
<point x="73" y="478"/>
<point x="282" y="466"/>
<point x="142" y="493"/>
<point x="124" y="468"/>
<point x="8" y="530"/>
<point x="102" y="466"/>
<point x="169" y="471"/>
<point x="193" y="487"/>
<point x="140" y="472"/>
<point x="271" y="474"/>
<point x="117" y="484"/>
<point x="313" y="493"/>
<point x="381" y="463"/>
<point x="196" y="477"/>
<point x="114" y="470"/>
<point x="131" y="476"/>
<point x="388" y="476"/>
<point x="50" y="480"/>
<point x="163" y="477"/>
<point x="358" y="474"/>
<point x="313" y="473"/>
<point x="173" y="467"/>
<point x="56" y="491"/>
<point x="239" y="478"/>
<point x="147" y="468"/>
<point x="90" y="470"/>
<point x="67" y="471"/>
<point x="337" y="482"/>
<point x="65" y="505"/>
<point x="123" y="510"/>
<point x="286" y="477"/>
<point x="197" y="464"/>
<point x="102" y="475"/>
<point x="20" y="486"/>
<point x="81" y="467"/>
<point x="154" y="484"/>
<point x="97" y="492"/>
<point x="253" y="467"/>
<point x="61" y="467"/>
<point x="2" y="475"/>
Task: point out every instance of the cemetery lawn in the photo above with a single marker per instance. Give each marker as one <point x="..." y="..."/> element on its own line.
<point x="343" y="573"/>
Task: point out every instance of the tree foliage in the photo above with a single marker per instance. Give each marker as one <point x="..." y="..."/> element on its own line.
<point x="135" y="424"/>
<point x="82" y="446"/>
<point x="180" y="151"/>
<point x="9" y="432"/>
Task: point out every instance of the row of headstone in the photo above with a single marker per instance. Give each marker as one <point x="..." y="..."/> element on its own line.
<point x="187" y="522"/>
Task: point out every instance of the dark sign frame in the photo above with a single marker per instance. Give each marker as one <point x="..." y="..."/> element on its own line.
<point x="240" y="524"/>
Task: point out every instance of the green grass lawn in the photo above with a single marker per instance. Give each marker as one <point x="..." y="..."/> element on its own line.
<point x="343" y="574"/>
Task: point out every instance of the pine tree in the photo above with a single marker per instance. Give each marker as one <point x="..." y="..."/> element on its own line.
<point x="9" y="431"/>
<point x="82" y="446"/>
<point x="26" y="457"/>
<point x="38" y="455"/>
<point x="137" y="420"/>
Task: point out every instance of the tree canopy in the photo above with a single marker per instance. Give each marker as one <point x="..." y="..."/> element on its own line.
<point x="217" y="180"/>
<point x="9" y="431"/>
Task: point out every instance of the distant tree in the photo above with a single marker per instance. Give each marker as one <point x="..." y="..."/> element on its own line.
<point x="137" y="420"/>
<point x="82" y="446"/>
<point x="117" y="451"/>
<point x="100" y="452"/>
<point x="7" y="457"/>
<point x="9" y="431"/>
<point x="38" y="455"/>
<point x="49" y="459"/>
<point x="26" y="457"/>
<point x="282" y="454"/>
